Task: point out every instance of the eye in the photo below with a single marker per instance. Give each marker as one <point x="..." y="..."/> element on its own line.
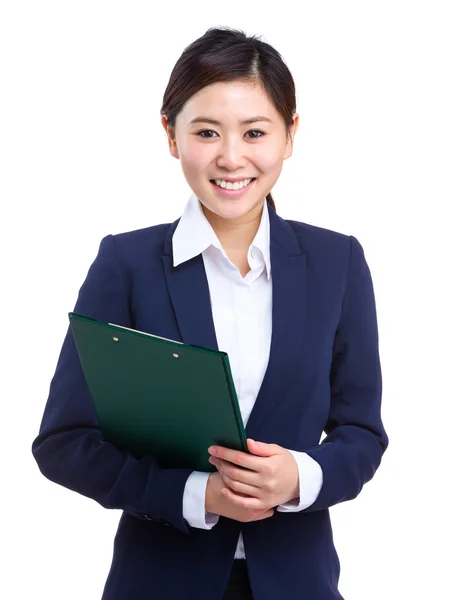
<point x="199" y="133"/>
<point x="206" y="134"/>
<point x="261" y="133"/>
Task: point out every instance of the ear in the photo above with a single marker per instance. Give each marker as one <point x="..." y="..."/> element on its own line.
<point x="290" y="139"/>
<point x="170" y="132"/>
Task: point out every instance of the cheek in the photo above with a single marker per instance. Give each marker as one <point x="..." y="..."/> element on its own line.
<point x="269" y="158"/>
<point x="194" y="158"/>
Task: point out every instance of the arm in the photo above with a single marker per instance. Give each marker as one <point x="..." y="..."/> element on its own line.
<point x="70" y="449"/>
<point x="356" y="440"/>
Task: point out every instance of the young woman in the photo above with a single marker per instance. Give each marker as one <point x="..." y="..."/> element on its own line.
<point x="291" y="303"/>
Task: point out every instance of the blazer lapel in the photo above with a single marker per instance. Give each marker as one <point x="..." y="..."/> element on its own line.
<point x="288" y="269"/>
<point x="189" y="293"/>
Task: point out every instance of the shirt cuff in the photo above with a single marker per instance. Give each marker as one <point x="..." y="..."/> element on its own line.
<point x="310" y="483"/>
<point x="194" y="500"/>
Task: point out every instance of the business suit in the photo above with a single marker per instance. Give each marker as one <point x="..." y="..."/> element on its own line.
<point x="323" y="373"/>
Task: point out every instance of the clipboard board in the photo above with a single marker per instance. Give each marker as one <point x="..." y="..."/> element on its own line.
<point x="159" y="397"/>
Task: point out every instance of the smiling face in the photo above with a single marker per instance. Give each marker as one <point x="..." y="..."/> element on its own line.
<point x="230" y="132"/>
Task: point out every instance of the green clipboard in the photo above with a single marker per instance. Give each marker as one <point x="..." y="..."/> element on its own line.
<point x="159" y="397"/>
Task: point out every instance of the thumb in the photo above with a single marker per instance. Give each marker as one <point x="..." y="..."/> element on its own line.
<point x="262" y="449"/>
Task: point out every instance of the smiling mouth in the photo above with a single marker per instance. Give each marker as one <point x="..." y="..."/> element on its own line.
<point x="229" y="184"/>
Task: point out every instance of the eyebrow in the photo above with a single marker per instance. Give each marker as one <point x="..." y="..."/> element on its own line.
<point x="256" y="119"/>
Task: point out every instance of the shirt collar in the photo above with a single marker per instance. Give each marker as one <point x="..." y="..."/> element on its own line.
<point x="194" y="234"/>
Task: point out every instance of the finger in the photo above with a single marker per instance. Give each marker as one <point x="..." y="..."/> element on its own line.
<point x="240" y="488"/>
<point x="245" y="476"/>
<point x="262" y="449"/>
<point x="248" y="503"/>
<point x="242" y="459"/>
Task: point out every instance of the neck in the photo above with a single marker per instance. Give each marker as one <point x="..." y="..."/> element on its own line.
<point x="235" y="235"/>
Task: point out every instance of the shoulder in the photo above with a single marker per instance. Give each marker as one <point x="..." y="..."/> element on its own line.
<point x="328" y="249"/>
<point x="313" y="232"/>
<point x="132" y="251"/>
<point x="312" y="238"/>
<point x="153" y="235"/>
<point x="135" y="244"/>
<point x="331" y="251"/>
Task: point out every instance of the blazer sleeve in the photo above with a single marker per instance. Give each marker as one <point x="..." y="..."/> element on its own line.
<point x="70" y="449"/>
<point x="356" y="440"/>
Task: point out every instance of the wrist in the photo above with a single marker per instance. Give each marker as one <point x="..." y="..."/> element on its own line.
<point x="208" y="505"/>
<point x="295" y="493"/>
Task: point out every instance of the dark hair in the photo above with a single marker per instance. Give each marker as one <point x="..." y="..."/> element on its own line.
<point x="225" y="54"/>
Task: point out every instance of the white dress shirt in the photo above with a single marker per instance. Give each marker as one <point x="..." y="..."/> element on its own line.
<point x="242" y="314"/>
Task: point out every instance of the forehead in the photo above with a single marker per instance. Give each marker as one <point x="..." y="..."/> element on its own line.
<point x="229" y="100"/>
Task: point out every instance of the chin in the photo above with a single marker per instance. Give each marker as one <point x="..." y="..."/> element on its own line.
<point x="231" y="209"/>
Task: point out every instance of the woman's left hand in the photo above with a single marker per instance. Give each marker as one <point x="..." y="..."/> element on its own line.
<point x="263" y="479"/>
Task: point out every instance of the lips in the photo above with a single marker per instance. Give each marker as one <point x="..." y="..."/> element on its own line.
<point x="218" y="180"/>
<point x="232" y="193"/>
<point x="231" y="180"/>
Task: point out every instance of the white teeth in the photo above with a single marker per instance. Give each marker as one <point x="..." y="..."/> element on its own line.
<point x="232" y="186"/>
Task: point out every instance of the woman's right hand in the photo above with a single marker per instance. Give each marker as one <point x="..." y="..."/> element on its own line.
<point x="217" y="503"/>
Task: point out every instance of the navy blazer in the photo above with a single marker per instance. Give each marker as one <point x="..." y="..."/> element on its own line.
<point x="323" y="375"/>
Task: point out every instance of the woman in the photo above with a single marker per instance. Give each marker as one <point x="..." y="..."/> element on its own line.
<point x="292" y="304"/>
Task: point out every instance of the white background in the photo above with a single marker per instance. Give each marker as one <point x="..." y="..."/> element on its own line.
<point x="382" y="152"/>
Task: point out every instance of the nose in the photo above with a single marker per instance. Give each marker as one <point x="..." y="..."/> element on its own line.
<point x="231" y="153"/>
